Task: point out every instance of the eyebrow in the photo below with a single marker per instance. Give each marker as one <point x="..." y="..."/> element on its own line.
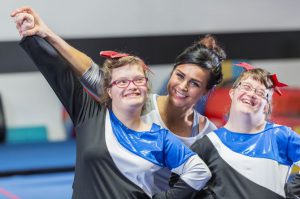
<point x="253" y="86"/>
<point x="192" y="79"/>
<point x="124" y="77"/>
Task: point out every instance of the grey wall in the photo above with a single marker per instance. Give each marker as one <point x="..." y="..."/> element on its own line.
<point x="99" y="18"/>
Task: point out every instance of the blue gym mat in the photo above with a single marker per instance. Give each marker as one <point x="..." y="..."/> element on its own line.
<point x="34" y="161"/>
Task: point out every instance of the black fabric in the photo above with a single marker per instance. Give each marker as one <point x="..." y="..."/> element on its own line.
<point x="293" y="188"/>
<point x="227" y="182"/>
<point x="96" y="175"/>
<point x="2" y="123"/>
<point x="198" y="194"/>
<point x="178" y="190"/>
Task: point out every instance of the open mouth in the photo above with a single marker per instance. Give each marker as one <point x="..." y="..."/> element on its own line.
<point x="248" y="102"/>
<point x="132" y="94"/>
<point x="180" y="94"/>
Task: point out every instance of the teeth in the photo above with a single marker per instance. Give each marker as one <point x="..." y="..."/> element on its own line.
<point x="180" y="94"/>
<point x="246" y="101"/>
<point x="131" y="94"/>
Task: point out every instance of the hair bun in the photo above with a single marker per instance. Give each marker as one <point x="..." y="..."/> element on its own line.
<point x="211" y="43"/>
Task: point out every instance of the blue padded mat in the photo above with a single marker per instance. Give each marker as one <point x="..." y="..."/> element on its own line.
<point x="41" y="186"/>
<point x="26" y="157"/>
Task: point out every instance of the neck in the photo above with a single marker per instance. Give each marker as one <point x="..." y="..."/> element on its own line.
<point x="245" y="123"/>
<point x="131" y="119"/>
<point x="172" y="112"/>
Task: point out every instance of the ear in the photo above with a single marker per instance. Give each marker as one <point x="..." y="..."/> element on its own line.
<point x="207" y="92"/>
<point x="231" y="92"/>
<point x="267" y="108"/>
<point x="109" y="92"/>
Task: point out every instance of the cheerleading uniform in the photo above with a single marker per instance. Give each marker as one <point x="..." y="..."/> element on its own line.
<point x="249" y="165"/>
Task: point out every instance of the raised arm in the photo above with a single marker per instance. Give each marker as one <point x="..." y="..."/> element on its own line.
<point x="61" y="78"/>
<point x="29" y="23"/>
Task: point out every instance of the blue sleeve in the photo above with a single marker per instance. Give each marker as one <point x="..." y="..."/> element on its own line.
<point x="175" y="151"/>
<point x="294" y="147"/>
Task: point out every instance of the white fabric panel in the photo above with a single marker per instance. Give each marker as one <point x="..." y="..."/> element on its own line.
<point x="196" y="168"/>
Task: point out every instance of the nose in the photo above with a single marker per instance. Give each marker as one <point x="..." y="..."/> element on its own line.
<point x="252" y="93"/>
<point x="183" y="85"/>
<point x="131" y="85"/>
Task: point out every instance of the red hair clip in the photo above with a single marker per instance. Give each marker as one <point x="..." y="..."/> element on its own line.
<point x="277" y="84"/>
<point x="112" y="54"/>
<point x="245" y="65"/>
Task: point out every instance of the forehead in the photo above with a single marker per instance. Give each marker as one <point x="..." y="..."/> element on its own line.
<point x="253" y="82"/>
<point x="128" y="70"/>
<point x="193" y="71"/>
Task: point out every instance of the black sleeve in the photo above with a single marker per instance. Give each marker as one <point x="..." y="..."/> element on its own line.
<point x="203" y="149"/>
<point x="173" y="179"/>
<point x="179" y="190"/>
<point x="58" y="73"/>
<point x="199" y="147"/>
<point x="293" y="188"/>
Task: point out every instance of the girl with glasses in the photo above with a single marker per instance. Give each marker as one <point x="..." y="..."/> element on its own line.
<point x="197" y="70"/>
<point x="118" y="153"/>
<point x="250" y="157"/>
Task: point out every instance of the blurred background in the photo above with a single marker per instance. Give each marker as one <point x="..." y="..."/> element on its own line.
<point x="37" y="150"/>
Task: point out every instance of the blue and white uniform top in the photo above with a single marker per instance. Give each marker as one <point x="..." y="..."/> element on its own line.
<point x="257" y="163"/>
<point x="148" y="152"/>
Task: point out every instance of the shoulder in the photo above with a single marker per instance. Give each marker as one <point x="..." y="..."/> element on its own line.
<point x="205" y="125"/>
<point x="279" y="130"/>
<point x="202" y="143"/>
<point x="204" y="148"/>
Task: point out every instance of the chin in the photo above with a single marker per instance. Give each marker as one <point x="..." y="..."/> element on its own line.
<point x="249" y="111"/>
<point x="135" y="103"/>
<point x="180" y="104"/>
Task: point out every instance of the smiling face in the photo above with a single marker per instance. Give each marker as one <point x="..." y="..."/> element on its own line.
<point x="132" y="97"/>
<point x="247" y="98"/>
<point x="187" y="85"/>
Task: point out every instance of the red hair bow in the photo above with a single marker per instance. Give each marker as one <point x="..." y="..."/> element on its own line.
<point x="277" y="84"/>
<point x="112" y="54"/>
<point x="245" y="65"/>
